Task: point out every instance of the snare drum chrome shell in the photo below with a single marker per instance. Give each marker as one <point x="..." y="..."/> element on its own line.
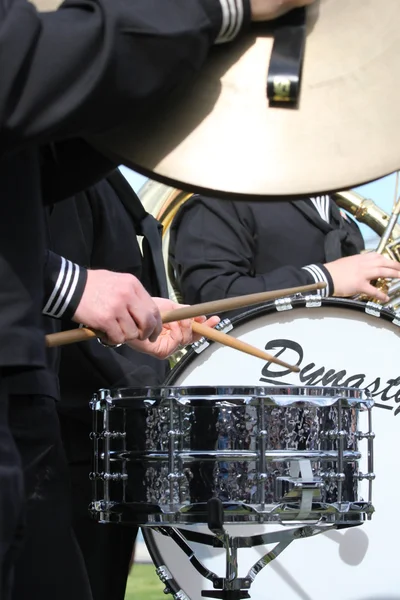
<point x="271" y="454"/>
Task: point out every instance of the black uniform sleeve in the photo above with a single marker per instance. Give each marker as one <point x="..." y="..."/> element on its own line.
<point x="212" y="251"/>
<point x="64" y="285"/>
<point x="70" y="166"/>
<point x="91" y="64"/>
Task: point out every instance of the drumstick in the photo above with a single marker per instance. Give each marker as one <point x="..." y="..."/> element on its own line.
<point x="218" y="306"/>
<point x="188" y="312"/>
<point x="227" y="340"/>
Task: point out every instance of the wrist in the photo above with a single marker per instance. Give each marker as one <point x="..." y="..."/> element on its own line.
<point x="318" y="273"/>
<point x="65" y="284"/>
<point x="235" y="15"/>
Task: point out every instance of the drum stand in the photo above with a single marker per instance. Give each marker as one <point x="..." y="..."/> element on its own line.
<point x="230" y="587"/>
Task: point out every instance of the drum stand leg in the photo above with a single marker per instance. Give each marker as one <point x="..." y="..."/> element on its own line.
<point x="231" y="587"/>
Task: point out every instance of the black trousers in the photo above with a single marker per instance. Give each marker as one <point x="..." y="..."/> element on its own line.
<point x="107" y="548"/>
<point x="50" y="565"/>
<point x="11" y="499"/>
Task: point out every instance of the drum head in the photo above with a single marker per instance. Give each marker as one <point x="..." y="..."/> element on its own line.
<point x="334" y="344"/>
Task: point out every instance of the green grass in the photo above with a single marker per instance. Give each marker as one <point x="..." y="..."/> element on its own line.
<point x="143" y="584"/>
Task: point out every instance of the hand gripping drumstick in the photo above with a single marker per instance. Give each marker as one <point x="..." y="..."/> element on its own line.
<point x="188" y="312"/>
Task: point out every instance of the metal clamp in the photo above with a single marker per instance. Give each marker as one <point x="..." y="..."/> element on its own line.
<point x="373" y="308"/>
<point x="313" y="301"/>
<point x="282" y="304"/>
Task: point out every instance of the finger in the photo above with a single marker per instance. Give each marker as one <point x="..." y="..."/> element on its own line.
<point x="147" y="318"/>
<point x="200" y="319"/>
<point x="384" y="273"/>
<point x="145" y="313"/>
<point x="113" y="334"/>
<point x="388" y="262"/>
<point x="212" y="321"/>
<point x="373" y="292"/>
<point x="148" y="327"/>
<point x="186" y="331"/>
<point x="128" y="326"/>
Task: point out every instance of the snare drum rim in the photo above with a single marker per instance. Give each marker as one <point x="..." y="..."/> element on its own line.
<point x="280" y="395"/>
<point x="271" y="307"/>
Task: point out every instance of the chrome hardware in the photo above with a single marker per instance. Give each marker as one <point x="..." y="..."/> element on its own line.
<point x="101" y="401"/>
<point x="225" y="326"/>
<point x="112" y="476"/>
<point x="163" y="573"/>
<point x="313" y="301"/>
<point x="334" y="434"/>
<point x="365" y="436"/>
<point x="332" y="476"/>
<point x="373" y="308"/>
<point x="367" y="476"/>
<point x="113" y="435"/>
<point x="108" y="476"/>
<point x="181" y="596"/>
<point x="201" y="345"/>
<point x="98" y="506"/>
<point x="291" y="488"/>
<point x="282" y="304"/>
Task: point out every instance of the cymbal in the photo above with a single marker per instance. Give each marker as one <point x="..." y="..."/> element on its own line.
<point x="220" y="136"/>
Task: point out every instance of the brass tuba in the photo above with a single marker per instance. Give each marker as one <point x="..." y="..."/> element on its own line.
<point x="364" y="210"/>
<point x="163" y="202"/>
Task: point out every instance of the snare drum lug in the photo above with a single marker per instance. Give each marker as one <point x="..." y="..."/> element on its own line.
<point x="313" y="301"/>
<point x="332" y="476"/>
<point x="98" y="506"/>
<point x="367" y="476"/>
<point x="373" y="308"/>
<point x="282" y="304"/>
<point x="113" y="435"/>
<point x="225" y="326"/>
<point x="101" y="401"/>
<point x="113" y="476"/>
<point x="200" y="346"/>
<point x="365" y="436"/>
<point x="176" y="476"/>
<point x="334" y="434"/>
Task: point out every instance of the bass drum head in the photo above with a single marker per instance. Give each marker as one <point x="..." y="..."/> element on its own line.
<point x="334" y="344"/>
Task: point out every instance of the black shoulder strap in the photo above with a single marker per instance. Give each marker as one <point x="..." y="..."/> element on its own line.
<point x="146" y="225"/>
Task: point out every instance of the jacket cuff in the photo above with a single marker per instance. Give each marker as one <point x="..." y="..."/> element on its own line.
<point x="64" y="285"/>
<point x="235" y="15"/>
<point x="319" y="273"/>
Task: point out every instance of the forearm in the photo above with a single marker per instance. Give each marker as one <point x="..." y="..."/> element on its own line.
<point x="211" y="284"/>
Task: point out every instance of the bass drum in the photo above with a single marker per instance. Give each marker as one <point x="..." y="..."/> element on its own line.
<point x="335" y="343"/>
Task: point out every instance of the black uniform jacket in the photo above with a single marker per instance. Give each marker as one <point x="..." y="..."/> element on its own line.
<point x="222" y="248"/>
<point x="94" y="230"/>
<point x="65" y="75"/>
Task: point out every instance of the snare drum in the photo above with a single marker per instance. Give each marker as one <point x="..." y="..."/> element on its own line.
<point x="335" y="343"/>
<point x="281" y="454"/>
